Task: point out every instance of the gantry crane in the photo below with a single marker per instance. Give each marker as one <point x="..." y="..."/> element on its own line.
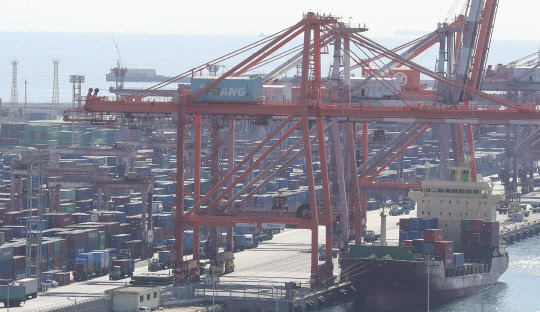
<point x="329" y="115"/>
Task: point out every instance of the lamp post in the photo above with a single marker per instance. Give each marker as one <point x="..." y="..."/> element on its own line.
<point x="428" y="283"/>
<point x="482" y="291"/>
<point x="74" y="300"/>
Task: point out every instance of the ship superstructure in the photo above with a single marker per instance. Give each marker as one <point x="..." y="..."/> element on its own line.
<point x="456" y="200"/>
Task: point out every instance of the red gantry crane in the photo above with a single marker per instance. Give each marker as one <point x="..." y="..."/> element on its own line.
<point x="319" y="118"/>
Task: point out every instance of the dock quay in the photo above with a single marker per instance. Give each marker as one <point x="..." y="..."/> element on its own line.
<point x="520" y="231"/>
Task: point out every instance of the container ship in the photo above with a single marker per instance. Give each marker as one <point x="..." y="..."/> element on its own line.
<point x="453" y="251"/>
<point x="138" y="75"/>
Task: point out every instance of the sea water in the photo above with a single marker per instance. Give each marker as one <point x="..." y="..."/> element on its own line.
<point x="94" y="54"/>
<point x="516" y="291"/>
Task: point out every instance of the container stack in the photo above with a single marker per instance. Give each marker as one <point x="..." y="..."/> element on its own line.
<point x="479" y="239"/>
<point x="413" y="228"/>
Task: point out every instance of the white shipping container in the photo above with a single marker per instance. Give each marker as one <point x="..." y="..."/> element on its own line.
<point x="277" y="93"/>
<point x="375" y="88"/>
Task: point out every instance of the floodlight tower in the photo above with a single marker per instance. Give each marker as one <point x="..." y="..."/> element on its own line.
<point x="76" y="80"/>
<point x="14" y="88"/>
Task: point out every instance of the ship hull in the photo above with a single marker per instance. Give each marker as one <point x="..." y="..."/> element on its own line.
<point x="390" y="284"/>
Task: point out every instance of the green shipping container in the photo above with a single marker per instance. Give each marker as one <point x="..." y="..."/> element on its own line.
<point x="466" y="225"/>
<point x="395" y="252"/>
<point x="68" y="208"/>
<point x="2" y="238"/>
<point x="67" y="194"/>
<point x="102" y="239"/>
<point x="93" y="236"/>
<point x="57" y="246"/>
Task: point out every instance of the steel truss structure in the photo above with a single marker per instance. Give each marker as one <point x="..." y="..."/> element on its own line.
<point x="320" y="121"/>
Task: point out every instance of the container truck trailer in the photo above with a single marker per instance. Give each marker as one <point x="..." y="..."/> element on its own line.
<point x="122" y="269"/>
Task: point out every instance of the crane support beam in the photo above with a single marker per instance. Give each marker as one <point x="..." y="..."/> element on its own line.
<point x="401" y="150"/>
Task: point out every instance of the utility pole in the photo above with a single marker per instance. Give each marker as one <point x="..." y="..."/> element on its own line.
<point x="55" y="95"/>
<point x="25" y="98"/>
<point x="14" y="88"/>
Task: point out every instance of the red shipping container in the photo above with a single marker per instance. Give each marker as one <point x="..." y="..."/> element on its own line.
<point x="63" y="278"/>
<point x="406" y="243"/>
<point x="13" y="217"/>
<point x="475" y="238"/>
<point x="444" y="247"/>
<point x="476" y="225"/>
<point x="106" y="218"/>
<point x="124" y="228"/>
<point x="8" y="276"/>
<point x="404" y="224"/>
<point x="19" y="263"/>
<point x="433" y="235"/>
<point x="489" y="239"/>
<point x="490" y="227"/>
<point x="448" y="261"/>
<point x="19" y="250"/>
<point x="471" y="251"/>
<point x="466" y="238"/>
<point x="61" y="220"/>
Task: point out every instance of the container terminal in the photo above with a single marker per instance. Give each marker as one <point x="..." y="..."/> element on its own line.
<point x="295" y="190"/>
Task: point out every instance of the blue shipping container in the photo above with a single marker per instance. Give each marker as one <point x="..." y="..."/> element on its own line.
<point x="418" y="245"/>
<point x="164" y="256"/>
<point x="6" y="266"/>
<point x="459" y="259"/>
<point x="413" y="224"/>
<point x="423" y="224"/>
<point x="403" y="235"/>
<point x="428" y="248"/>
<point x="19" y="275"/>
<point x="413" y="235"/>
<point x="433" y="223"/>
<point x="6" y="253"/>
<point x="228" y="90"/>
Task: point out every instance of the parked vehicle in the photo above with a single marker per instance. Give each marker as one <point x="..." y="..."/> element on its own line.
<point x="162" y="262"/>
<point x="249" y="241"/>
<point x="49" y="283"/>
<point x="370" y="236"/>
<point x="122" y="269"/>
<point x="16" y="295"/>
<point x="31" y="286"/>
<point x="90" y="264"/>
<point x="322" y="252"/>
<point x="394" y="211"/>
<point x="239" y="242"/>
<point x="19" y="291"/>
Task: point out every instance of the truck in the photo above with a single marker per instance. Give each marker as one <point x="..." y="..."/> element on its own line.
<point x="18" y="292"/>
<point x="249" y="241"/>
<point x="122" y="268"/>
<point x="162" y="262"/>
<point x="12" y="295"/>
<point x="370" y="236"/>
<point x="239" y="242"/>
<point x="83" y="269"/>
<point x="31" y="286"/>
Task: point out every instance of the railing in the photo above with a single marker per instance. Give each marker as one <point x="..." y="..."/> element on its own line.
<point x="224" y="291"/>
<point x="100" y="304"/>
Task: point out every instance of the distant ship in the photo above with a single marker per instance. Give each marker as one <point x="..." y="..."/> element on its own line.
<point x="396" y="277"/>
<point x="139" y="75"/>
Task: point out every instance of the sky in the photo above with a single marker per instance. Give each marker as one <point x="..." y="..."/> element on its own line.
<point x="516" y="19"/>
